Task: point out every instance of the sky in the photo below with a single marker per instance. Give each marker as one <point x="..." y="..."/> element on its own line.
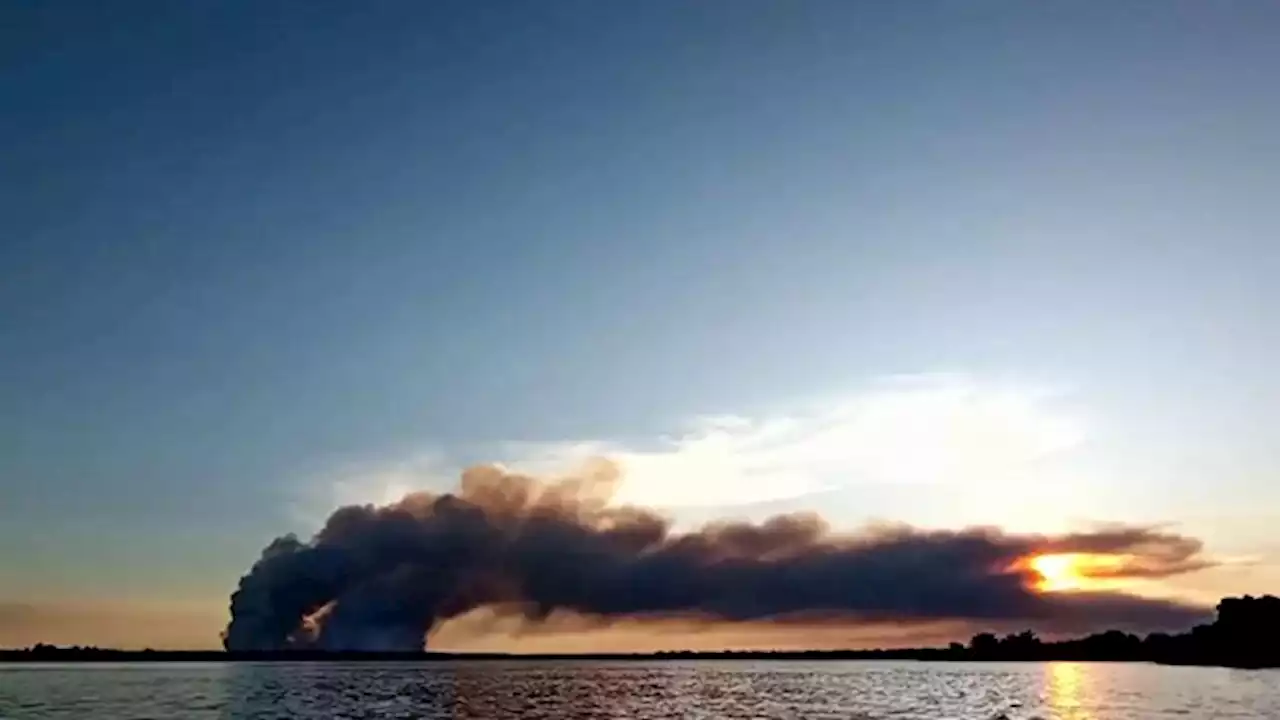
<point x="993" y="263"/>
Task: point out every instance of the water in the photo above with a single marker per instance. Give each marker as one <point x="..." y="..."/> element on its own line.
<point x="639" y="691"/>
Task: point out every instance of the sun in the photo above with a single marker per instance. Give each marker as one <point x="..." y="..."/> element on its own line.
<point x="1067" y="572"/>
<point x="1059" y="573"/>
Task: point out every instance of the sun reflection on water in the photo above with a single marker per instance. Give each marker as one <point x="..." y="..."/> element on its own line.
<point x="1066" y="689"/>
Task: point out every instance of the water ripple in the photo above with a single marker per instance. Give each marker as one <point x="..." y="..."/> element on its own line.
<point x="636" y="691"/>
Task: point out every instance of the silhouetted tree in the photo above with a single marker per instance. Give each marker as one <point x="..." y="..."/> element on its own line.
<point x="984" y="645"/>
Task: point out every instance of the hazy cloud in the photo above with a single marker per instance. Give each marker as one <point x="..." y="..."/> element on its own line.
<point x="381" y="577"/>
<point x="919" y="430"/>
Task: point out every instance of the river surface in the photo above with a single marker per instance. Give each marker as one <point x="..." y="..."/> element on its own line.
<point x="638" y="690"/>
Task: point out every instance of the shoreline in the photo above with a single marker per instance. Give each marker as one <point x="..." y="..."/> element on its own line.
<point x="90" y="657"/>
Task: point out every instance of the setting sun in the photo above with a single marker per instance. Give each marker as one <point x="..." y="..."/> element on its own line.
<point x="1058" y="573"/>
<point x="1065" y="572"/>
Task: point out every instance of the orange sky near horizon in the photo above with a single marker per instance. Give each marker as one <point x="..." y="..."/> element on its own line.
<point x="196" y="624"/>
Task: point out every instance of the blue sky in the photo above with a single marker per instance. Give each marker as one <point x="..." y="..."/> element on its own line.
<point x="255" y="251"/>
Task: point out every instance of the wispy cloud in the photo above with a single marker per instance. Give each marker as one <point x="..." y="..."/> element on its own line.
<point x="918" y="429"/>
<point x="936" y="429"/>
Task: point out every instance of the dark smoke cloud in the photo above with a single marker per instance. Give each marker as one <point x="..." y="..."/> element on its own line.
<point x="382" y="577"/>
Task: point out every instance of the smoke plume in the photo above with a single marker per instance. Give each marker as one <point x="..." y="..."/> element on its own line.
<point x="380" y="578"/>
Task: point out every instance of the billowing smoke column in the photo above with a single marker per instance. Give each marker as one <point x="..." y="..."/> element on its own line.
<point x="379" y="578"/>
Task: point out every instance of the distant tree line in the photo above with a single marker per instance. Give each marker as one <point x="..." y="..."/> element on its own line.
<point x="1245" y="633"/>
